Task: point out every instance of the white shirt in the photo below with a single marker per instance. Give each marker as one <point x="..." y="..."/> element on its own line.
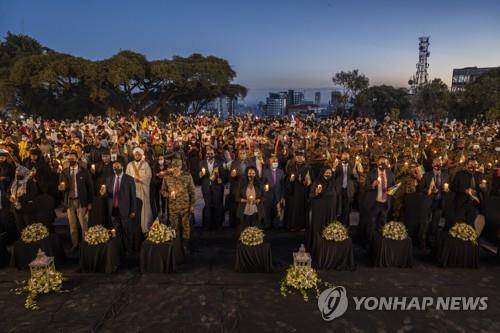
<point x="380" y="190"/>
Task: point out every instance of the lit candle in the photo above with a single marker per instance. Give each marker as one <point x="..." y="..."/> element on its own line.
<point x="379" y="179"/>
<point x="113" y="232"/>
<point x="172" y="194"/>
<point x="103" y="187"/>
<point x="320" y="187"/>
<point x="446" y="186"/>
<point x="266" y="187"/>
<point x="63" y="184"/>
<point x="233" y="172"/>
<point x="92" y="167"/>
<point x="251" y="198"/>
<point x="406" y="164"/>
<point x="203" y="170"/>
<point x="292" y="176"/>
<point x="484" y="182"/>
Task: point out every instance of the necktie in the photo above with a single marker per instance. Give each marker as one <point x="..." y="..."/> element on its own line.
<point x="74" y="193"/>
<point x="116" y="192"/>
<point x="384" y="186"/>
<point x="274" y="177"/>
<point x="472" y="182"/>
<point x="438" y="183"/>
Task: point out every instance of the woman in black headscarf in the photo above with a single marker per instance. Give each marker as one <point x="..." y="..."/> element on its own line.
<point x="323" y="205"/>
<point x="250" y="197"/>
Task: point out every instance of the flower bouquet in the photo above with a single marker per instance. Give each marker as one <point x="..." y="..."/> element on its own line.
<point x="335" y="232"/>
<point x="394" y="231"/>
<point x="252" y="236"/>
<point x="464" y="232"/>
<point x="96" y="235"/>
<point x="34" y="233"/>
<point x="160" y="233"/>
<point x="303" y="279"/>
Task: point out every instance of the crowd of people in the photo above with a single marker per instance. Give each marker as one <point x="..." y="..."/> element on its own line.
<point x="293" y="173"/>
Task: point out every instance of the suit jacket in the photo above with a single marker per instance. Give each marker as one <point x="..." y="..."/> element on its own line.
<point x="424" y="185"/>
<point x="276" y="191"/>
<point x="84" y="185"/>
<point x="206" y="183"/>
<point x="461" y="182"/>
<point x="371" y="192"/>
<point x="351" y="179"/>
<point x="234" y="181"/>
<point x="241" y="194"/>
<point x="127" y="200"/>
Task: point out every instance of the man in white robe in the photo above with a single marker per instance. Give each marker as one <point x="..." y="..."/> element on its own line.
<point x="141" y="171"/>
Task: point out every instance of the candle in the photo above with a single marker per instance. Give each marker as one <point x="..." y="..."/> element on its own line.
<point x="203" y="170"/>
<point x="63" y="184"/>
<point x="251" y="198"/>
<point x="292" y="176"/>
<point x="172" y="194"/>
<point x="92" y="167"/>
<point x="406" y="164"/>
<point x="266" y="187"/>
<point x="233" y="172"/>
<point x="113" y="232"/>
<point x="357" y="157"/>
<point x="320" y="187"/>
<point x="103" y="187"/>
<point x="484" y="182"/>
<point x="446" y="187"/>
<point x="379" y="179"/>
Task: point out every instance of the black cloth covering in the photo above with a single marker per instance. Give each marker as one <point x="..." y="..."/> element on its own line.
<point x="102" y="258"/>
<point x="454" y="252"/>
<point x="24" y="253"/>
<point x="4" y="254"/>
<point x="334" y="255"/>
<point x="157" y="258"/>
<point x="414" y="211"/>
<point x="491" y="212"/>
<point x="99" y="214"/>
<point x="253" y="259"/>
<point x="392" y="253"/>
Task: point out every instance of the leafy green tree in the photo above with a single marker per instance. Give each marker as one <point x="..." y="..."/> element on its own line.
<point x="351" y="83"/>
<point x="433" y="100"/>
<point x="379" y="101"/>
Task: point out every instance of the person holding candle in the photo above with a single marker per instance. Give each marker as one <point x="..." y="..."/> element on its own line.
<point x="435" y="187"/>
<point x="212" y="188"/>
<point x="120" y="192"/>
<point x="274" y="190"/>
<point x="323" y="196"/>
<point x="236" y="174"/>
<point x="250" y="196"/>
<point x="297" y="186"/>
<point x="345" y="182"/>
<point x="23" y="192"/>
<point x="178" y="188"/>
<point x="75" y="182"/>
<point x="379" y="203"/>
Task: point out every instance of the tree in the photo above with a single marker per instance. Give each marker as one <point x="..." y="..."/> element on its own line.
<point x="480" y="97"/>
<point x="432" y="100"/>
<point x="352" y="83"/>
<point x="39" y="81"/>
<point x="379" y="101"/>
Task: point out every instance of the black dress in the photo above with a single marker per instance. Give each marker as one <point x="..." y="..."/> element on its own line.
<point x="297" y="192"/>
<point x="323" y="208"/>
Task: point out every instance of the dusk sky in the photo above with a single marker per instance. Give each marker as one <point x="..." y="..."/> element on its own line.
<point x="273" y="44"/>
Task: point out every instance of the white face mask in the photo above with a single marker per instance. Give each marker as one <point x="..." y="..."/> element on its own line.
<point x="114" y="157"/>
<point x="274" y="165"/>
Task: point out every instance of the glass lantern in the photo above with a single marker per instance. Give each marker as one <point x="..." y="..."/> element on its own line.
<point x="302" y="258"/>
<point x="42" y="266"/>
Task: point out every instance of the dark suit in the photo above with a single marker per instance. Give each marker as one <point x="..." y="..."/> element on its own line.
<point x="345" y="191"/>
<point x="379" y="210"/>
<point x="434" y="204"/>
<point x="466" y="209"/>
<point x="240" y="167"/>
<point x="127" y="204"/>
<point x="272" y="197"/>
<point x="213" y="194"/>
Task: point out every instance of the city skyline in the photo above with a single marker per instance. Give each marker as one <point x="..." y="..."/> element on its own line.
<point x="274" y="45"/>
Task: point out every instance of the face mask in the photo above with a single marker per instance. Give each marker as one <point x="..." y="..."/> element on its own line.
<point x="381" y="166"/>
<point x="415" y="146"/>
<point x="327" y="177"/>
<point x="437" y="167"/>
<point x="117" y="171"/>
<point x="274" y="165"/>
<point x="114" y="157"/>
<point x="344" y="161"/>
<point x="160" y="162"/>
<point x="251" y="178"/>
<point x="72" y="163"/>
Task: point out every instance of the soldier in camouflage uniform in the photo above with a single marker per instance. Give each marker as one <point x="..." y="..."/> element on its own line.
<point x="178" y="188"/>
<point x="407" y="176"/>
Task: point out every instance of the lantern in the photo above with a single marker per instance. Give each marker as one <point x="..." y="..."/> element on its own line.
<point x="42" y="266"/>
<point x="302" y="258"/>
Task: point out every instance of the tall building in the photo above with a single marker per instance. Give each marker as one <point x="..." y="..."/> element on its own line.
<point x="276" y="104"/>
<point x="317" y="98"/>
<point x="462" y="76"/>
<point x="294" y="97"/>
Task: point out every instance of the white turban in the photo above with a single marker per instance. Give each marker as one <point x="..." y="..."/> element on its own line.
<point x="138" y="150"/>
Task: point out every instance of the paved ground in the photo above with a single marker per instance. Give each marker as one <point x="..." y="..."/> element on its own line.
<point x="206" y="295"/>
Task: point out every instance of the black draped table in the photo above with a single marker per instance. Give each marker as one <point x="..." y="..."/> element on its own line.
<point x="392" y="253"/>
<point x="334" y="255"/>
<point x="24" y="253"/>
<point x="4" y="254"/>
<point x="454" y="252"/>
<point x="103" y="258"/>
<point x="253" y="259"/>
<point x="157" y="258"/>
